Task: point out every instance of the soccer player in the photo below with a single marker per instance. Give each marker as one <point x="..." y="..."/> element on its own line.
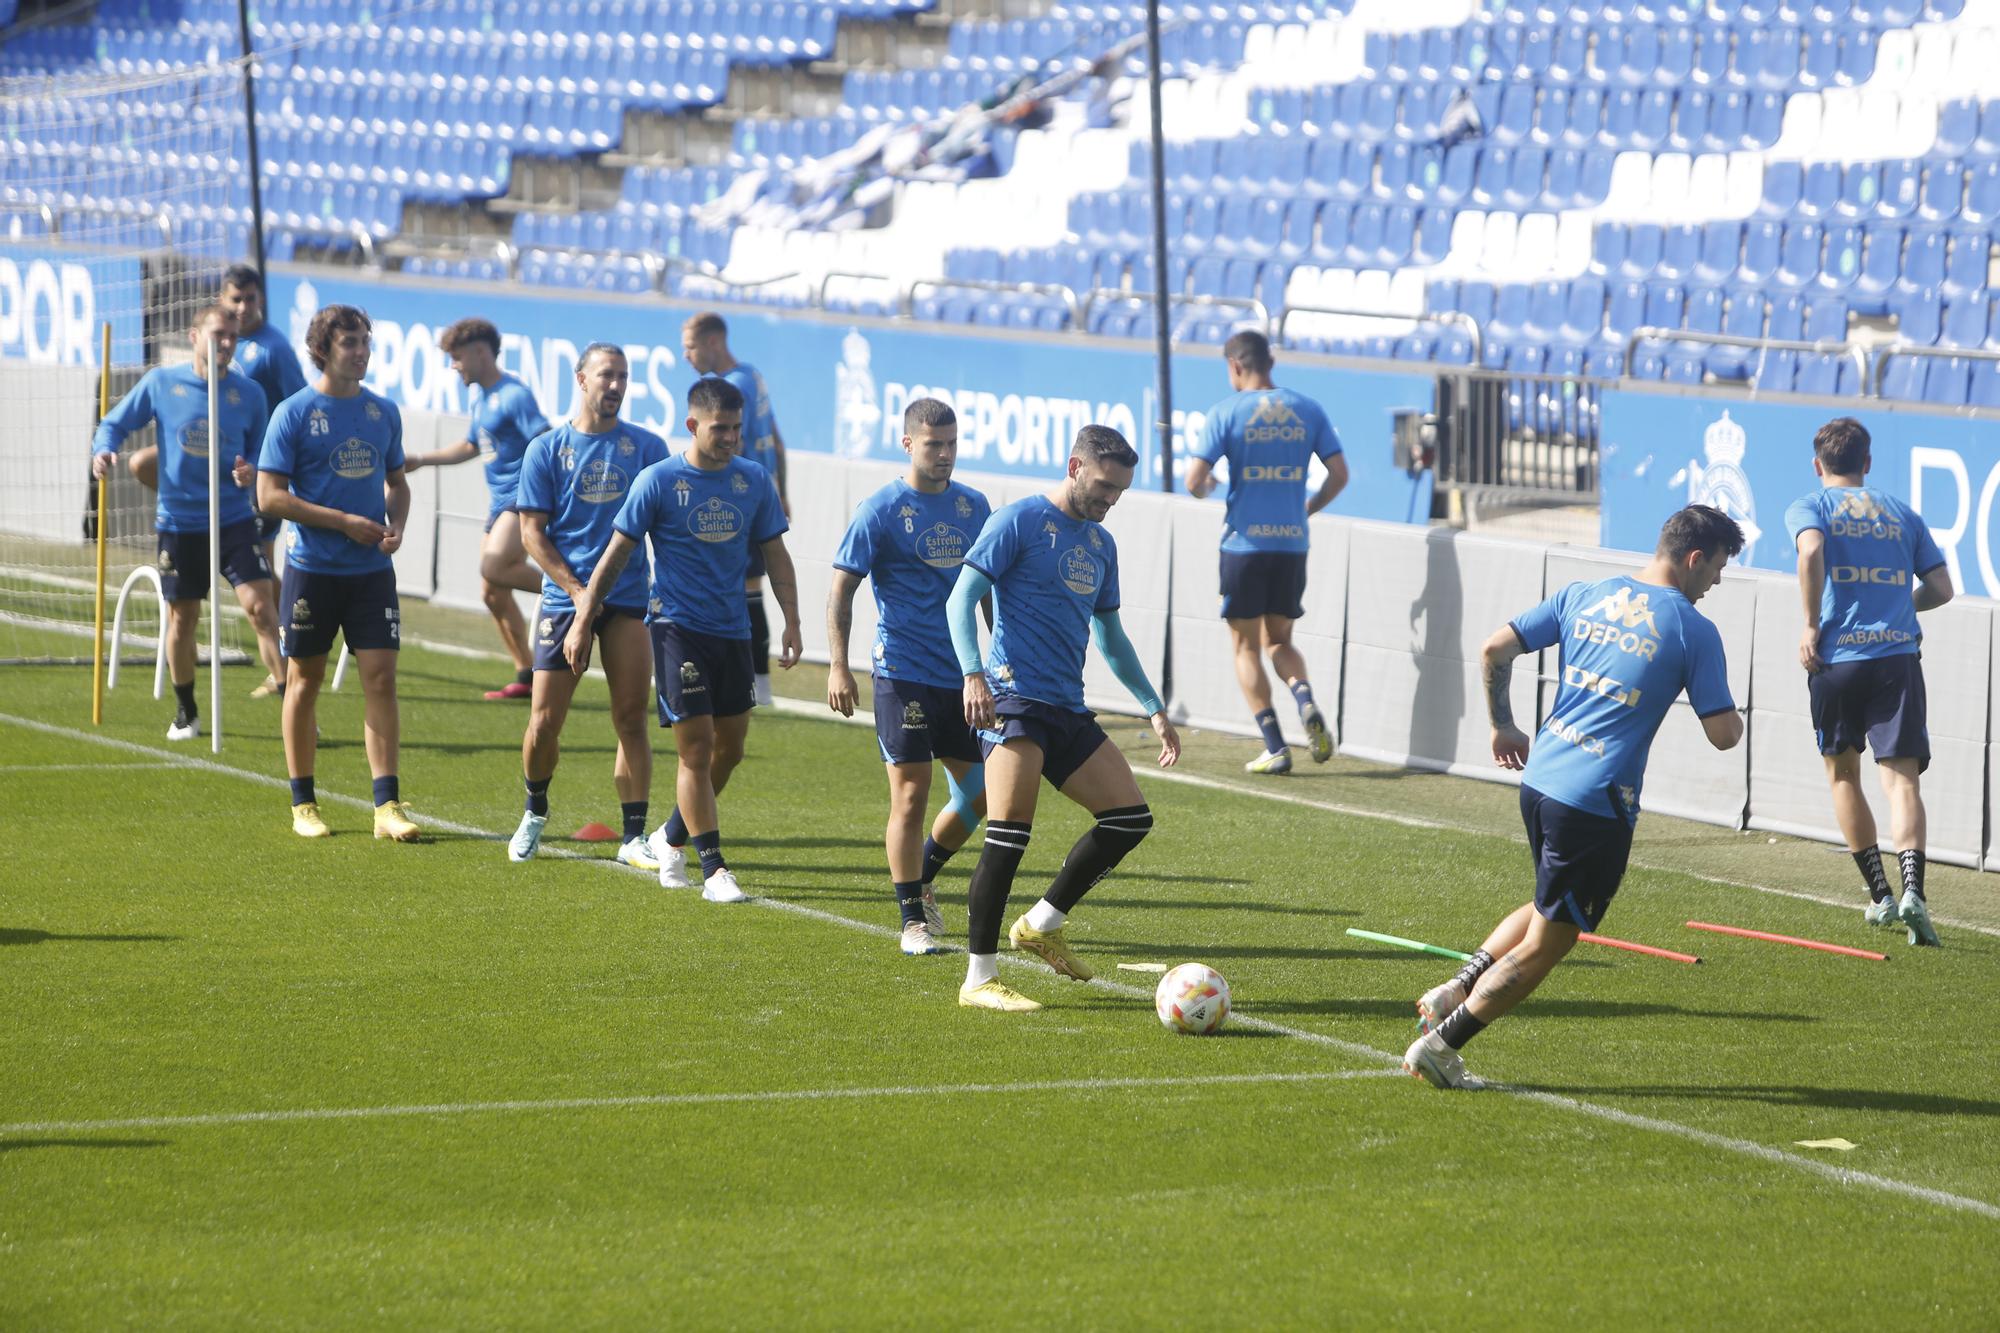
<point x="1867" y="566"/>
<point x="176" y="399"/>
<point x="911" y="537"/>
<point x="332" y="465"/>
<point x="703" y="511"/>
<point x="504" y="419"/>
<point x="1053" y="571"/>
<point x="572" y="481"/>
<point x="1269" y="435"/>
<point x="705" y="342"/>
<point x="1627" y="646"/>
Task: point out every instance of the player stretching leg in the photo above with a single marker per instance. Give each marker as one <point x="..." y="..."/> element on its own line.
<point x="1861" y="550"/>
<point x="504" y="420"/>
<point x="1628" y="645"/>
<point x="176" y="398"/>
<point x="910" y="537"/>
<point x="572" y="481"/>
<point x="702" y="512"/>
<point x="1270" y="436"/>
<point x="1053" y="571"/>
<point x="333" y="466"/>
<point x="705" y="343"/>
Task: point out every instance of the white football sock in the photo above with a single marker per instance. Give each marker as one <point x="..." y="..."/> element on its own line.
<point x="1044" y="917"/>
<point x="981" y="968"/>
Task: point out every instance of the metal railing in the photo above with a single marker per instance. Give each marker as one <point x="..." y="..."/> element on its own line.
<point x="1824" y="347"/>
<point x="1534" y="437"/>
<point x="1456" y="318"/>
<point x="1182" y="305"/>
<point x="1890" y="351"/>
<point x="1078" y="307"/>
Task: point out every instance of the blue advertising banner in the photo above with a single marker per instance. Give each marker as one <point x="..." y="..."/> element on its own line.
<point x="841" y="387"/>
<point x="1752" y="459"/>
<point x="52" y="301"/>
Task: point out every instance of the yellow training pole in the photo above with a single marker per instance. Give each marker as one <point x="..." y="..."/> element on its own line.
<point x="103" y="509"/>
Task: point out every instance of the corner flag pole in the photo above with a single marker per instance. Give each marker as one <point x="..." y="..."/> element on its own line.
<point x="103" y="507"/>
<point x="214" y="555"/>
<point x="1163" y="349"/>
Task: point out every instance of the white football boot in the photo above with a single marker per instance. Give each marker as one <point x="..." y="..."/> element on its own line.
<point x="673" y="861"/>
<point x="1882" y="913"/>
<point x="1916" y="914"/>
<point x="1277" y="761"/>
<point x="527" y="839"/>
<point x="721" y="887"/>
<point x="638" y="853"/>
<point x="1438" y="1064"/>
<point x="1438" y="1002"/>
<point x="918" y="940"/>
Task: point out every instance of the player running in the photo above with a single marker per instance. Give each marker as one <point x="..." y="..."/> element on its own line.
<point x="175" y="398"/>
<point x="1053" y="571"/>
<point x="1269" y="435"/>
<point x="333" y="466"/>
<point x="705" y="343"/>
<point x="504" y="419"/>
<point x="1867" y="566"/>
<point x="1626" y="648"/>
<point x="703" y="511"/>
<point x="911" y="537"/>
<point x="572" y="481"/>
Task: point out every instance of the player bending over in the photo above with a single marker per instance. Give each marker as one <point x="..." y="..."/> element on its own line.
<point x="1867" y="566"/>
<point x="504" y="419"/>
<point x="1053" y="571"/>
<point x="1270" y="436"/>
<point x="702" y="512"/>
<point x="1626" y="647"/>
<point x="176" y="399"/>
<point x="332" y="466"/>
<point x="910" y="538"/>
<point x="572" y="481"/>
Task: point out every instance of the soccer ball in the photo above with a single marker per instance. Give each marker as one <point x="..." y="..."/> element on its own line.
<point x="1192" y="998"/>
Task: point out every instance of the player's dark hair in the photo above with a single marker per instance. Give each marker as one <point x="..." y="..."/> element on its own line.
<point x="583" y="357"/>
<point x="1842" y="446"/>
<point x="1250" y="350"/>
<point x="469" y="330"/>
<point x="707" y="322"/>
<point x="713" y="395"/>
<point x="1702" y="528"/>
<point x="333" y="319"/>
<point x="243" y="277"/>
<point x="927" y="412"/>
<point x="1101" y="444"/>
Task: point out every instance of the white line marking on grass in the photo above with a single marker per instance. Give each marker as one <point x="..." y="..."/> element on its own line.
<point x="678" y="1099"/>
<point x="82" y="768"/>
<point x="1722" y="1142"/>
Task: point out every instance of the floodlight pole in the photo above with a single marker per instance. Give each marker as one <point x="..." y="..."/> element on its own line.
<point x="255" y="164"/>
<point x="1163" y="349"/>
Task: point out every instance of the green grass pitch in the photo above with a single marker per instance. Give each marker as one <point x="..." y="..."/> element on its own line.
<point x="253" y="1082"/>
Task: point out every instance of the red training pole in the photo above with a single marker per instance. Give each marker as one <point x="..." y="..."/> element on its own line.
<point x="1788" y="939"/>
<point x="1646" y="949"/>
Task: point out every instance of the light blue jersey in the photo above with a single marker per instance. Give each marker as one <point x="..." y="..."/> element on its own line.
<point x="176" y="400"/>
<point x="1051" y="573"/>
<point x="579" y="481"/>
<point x="702" y="525"/>
<point x="1270" y="437"/>
<point x="267" y="357"/>
<point x="760" y="427"/>
<point x="504" y="419"/>
<point x="1627" y="649"/>
<point x="1876" y="546"/>
<point x="336" y="452"/>
<point x="911" y="545"/>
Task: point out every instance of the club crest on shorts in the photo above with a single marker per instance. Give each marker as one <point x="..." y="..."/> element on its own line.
<point x="1079" y="572"/>
<point x="548" y="626"/>
<point x="166" y="560"/>
<point x="654" y="606"/>
<point x="913" y="716"/>
<point x="301" y="611"/>
<point x="690" y="674"/>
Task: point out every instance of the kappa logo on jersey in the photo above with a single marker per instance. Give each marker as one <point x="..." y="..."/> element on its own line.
<point x="354" y="459"/>
<point x="1625" y="609"/>
<point x="1079" y="572"/>
<point x="715" y="521"/>
<point x="681" y="490"/>
<point x="1273" y="422"/>
<point x="941" y="546"/>
<point x="1861" y="505"/>
<point x="568" y="458"/>
<point x="1628" y="625"/>
<point x="1862" y="515"/>
<point x="600" y="482"/>
<point x="913" y="716"/>
<point x="906" y="513"/>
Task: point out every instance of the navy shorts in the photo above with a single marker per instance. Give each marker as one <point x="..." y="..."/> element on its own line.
<point x="1263" y="583"/>
<point x="552" y="626"/>
<point x="268" y="528"/>
<point x="313" y="608"/>
<point x="915" y="724"/>
<point x="1067" y="739"/>
<point x="184" y="561"/>
<point x="1878" y="701"/>
<point x="699" y="675"/>
<point x="1579" y="858"/>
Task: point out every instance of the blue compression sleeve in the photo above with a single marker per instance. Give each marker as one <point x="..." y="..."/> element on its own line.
<point x="962" y="613"/>
<point x="965" y="795"/>
<point x="1123" y="659"/>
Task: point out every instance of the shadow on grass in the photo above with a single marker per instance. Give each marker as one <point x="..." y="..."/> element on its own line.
<point x="1550" y="1008"/>
<point x="1221" y="905"/>
<point x="1836" y="1099"/>
<point x="751" y="840"/>
<point x="44" y="936"/>
<point x="17" y="1145"/>
<point x="1135" y="948"/>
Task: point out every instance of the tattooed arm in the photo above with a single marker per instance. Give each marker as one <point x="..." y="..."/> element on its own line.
<point x="1496" y="672"/>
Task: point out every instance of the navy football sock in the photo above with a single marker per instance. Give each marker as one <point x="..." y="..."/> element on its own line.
<point x="1267" y="722"/>
<point x="935" y="857"/>
<point x="1303" y="692"/>
<point x="1913" y="872"/>
<point x="634" y="815"/>
<point x="185" y="694"/>
<point x="910" y="900"/>
<point x="708" y="846"/>
<point x="387" y="790"/>
<point x="1872" y="874"/>
<point x="676" y="829"/>
<point x="538" y="795"/>
<point x="302" y="791"/>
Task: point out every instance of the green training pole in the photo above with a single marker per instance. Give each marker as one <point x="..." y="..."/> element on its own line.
<point x="1402" y="943"/>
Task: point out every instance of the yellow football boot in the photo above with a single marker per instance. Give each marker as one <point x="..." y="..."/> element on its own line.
<point x="307" y="823"/>
<point x="392" y="820"/>
<point x="1050" y="947"/>
<point x="993" y="995"/>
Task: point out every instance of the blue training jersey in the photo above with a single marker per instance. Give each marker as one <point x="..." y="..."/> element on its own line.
<point x="1051" y="573"/>
<point x="1875" y="547"/>
<point x="760" y="427"/>
<point x="702" y="525"/>
<point x="176" y="400"/>
<point x="911" y="545"/>
<point x="267" y="358"/>
<point x="1270" y="437"/>
<point x="337" y="452"/>
<point x="1627" y="649"/>
<point x="579" y="481"/>
<point x="504" y="419"/>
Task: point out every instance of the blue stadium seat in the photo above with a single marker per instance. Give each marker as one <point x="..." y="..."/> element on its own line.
<point x="1680" y="247"/>
<point x="1967" y="264"/>
<point x="1923" y="259"/>
<point x="1966" y="321"/>
<point x="1721" y="250"/>
<point x="1644" y="245"/>
<point x="1819" y="191"/>
<point x="1943" y="191"/>
<point x="1743" y="317"/>
<point x="1799" y="255"/>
